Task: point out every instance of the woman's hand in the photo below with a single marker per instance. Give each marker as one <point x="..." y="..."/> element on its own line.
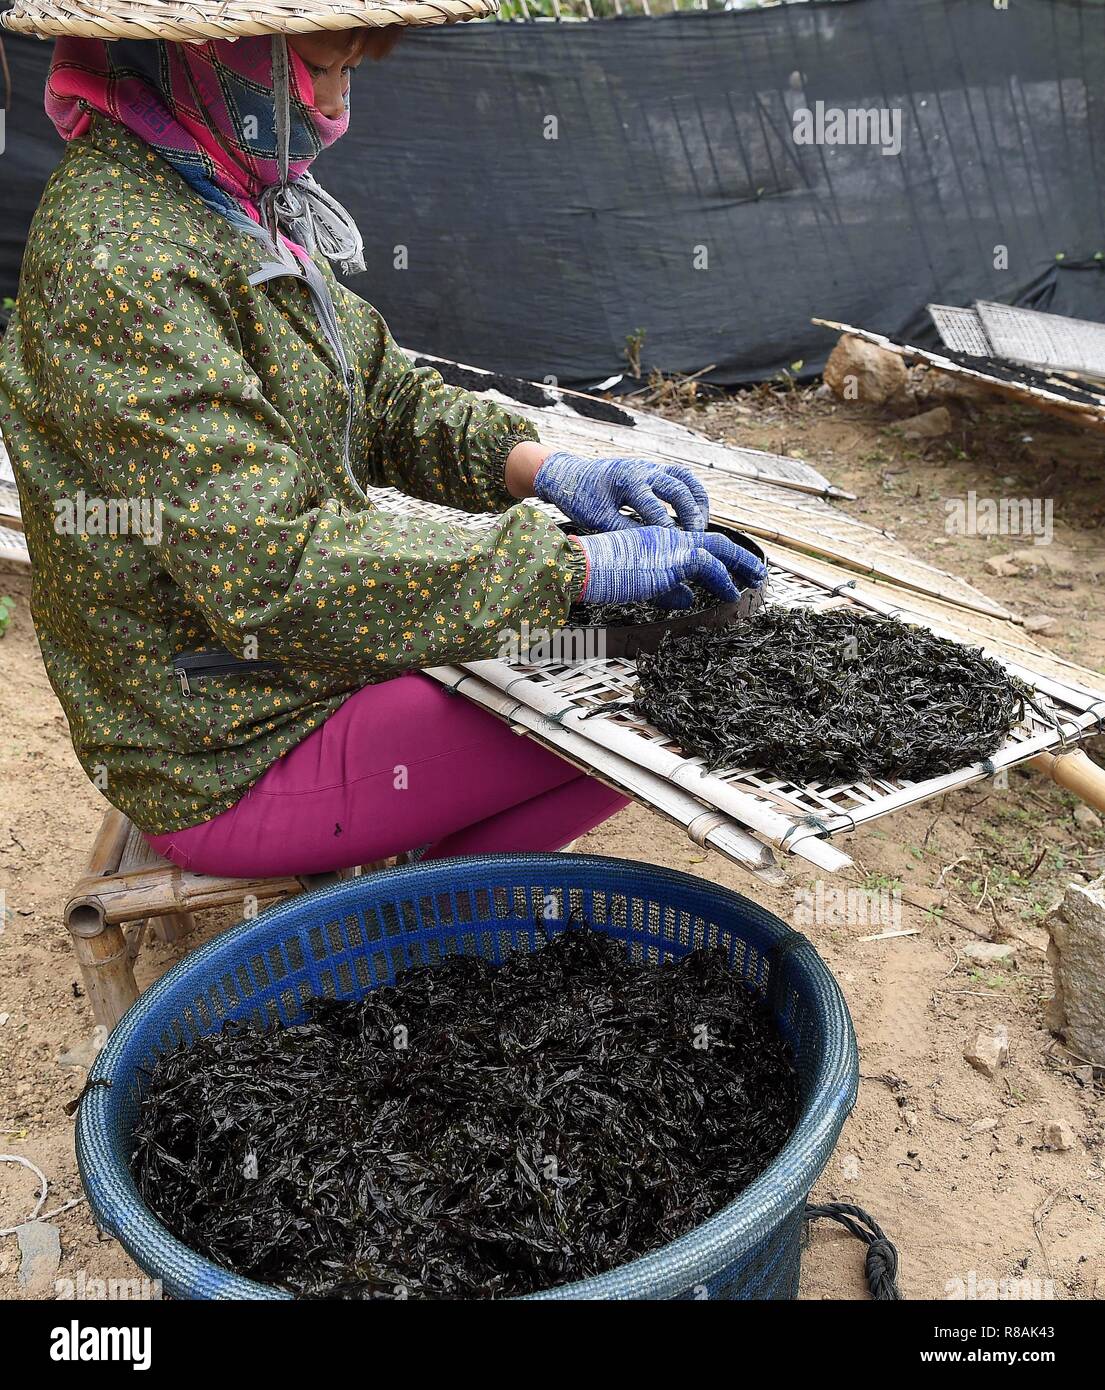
<point x="656" y="562"/>
<point x="593" y="491"/>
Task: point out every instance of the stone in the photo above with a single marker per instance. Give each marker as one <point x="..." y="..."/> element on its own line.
<point x="1058" y="1136"/>
<point x="942" y="386"/>
<point x="1004" y="566"/>
<point x="79" y="1054"/>
<point x="990" y="953"/>
<point x="861" y="371"/>
<point x="1086" y="818"/>
<point x="930" y="424"/>
<point x="1038" y="622"/>
<point x="1058" y="561"/>
<point x="1076" y="953"/>
<point x="39" y="1258"/>
<point x="987" y="1052"/>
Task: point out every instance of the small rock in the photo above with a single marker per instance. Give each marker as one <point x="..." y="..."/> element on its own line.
<point x="987" y="1052"/>
<point x="1004" y="566"/>
<point x="941" y="386"/>
<point x="1056" y="559"/>
<point x="858" y="370"/>
<point x="1086" y="818"/>
<point x="3" y="1019"/>
<point x="930" y="424"/>
<point x="39" y="1258"/>
<point x="79" y="1054"/>
<point x="985" y="1126"/>
<point x="1038" y="622"/>
<point x="990" y="953"/>
<point x="1058" y="1136"/>
<point x="1076" y="954"/>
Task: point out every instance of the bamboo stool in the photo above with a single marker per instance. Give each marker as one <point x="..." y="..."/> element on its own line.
<point x="127" y="889"/>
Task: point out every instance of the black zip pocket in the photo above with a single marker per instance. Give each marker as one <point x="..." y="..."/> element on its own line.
<point x="217" y="662"/>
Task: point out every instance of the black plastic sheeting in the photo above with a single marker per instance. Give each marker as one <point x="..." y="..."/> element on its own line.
<point x="674" y="198"/>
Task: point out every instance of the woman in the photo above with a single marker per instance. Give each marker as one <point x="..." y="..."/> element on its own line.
<point x="194" y="405"/>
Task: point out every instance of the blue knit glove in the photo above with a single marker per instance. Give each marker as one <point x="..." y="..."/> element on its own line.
<point x="656" y="562"/>
<point x="592" y="491"/>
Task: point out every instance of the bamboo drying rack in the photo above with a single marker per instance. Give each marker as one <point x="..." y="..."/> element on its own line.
<point x="561" y="706"/>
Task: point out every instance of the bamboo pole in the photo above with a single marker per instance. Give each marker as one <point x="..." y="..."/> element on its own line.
<point x="154" y="891"/>
<point x="107" y="848"/>
<point x="169" y="928"/>
<point x="108" y="974"/>
<point x="1077" y="772"/>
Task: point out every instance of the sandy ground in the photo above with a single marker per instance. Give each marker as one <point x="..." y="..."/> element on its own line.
<point x="951" y="1163"/>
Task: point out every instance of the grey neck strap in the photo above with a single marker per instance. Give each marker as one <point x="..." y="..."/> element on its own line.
<point x="303" y="210"/>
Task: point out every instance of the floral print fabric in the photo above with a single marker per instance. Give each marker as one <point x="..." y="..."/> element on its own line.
<point x="178" y="434"/>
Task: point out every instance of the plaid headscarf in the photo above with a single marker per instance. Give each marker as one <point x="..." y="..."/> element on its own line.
<point x="213" y="111"/>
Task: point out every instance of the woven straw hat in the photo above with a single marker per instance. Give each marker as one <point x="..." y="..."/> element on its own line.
<point x="227" y="19"/>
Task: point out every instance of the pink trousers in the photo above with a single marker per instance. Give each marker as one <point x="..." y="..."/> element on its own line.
<point x="401" y="764"/>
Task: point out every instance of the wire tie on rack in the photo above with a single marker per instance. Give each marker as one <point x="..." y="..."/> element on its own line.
<point x="808" y="820"/>
<point x="1071" y="740"/>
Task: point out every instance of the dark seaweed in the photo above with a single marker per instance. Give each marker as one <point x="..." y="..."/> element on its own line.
<point x="548" y="1119"/>
<point x="514" y="387"/>
<point x="645" y="611"/>
<point x="828" y="696"/>
<point x="595" y="408"/>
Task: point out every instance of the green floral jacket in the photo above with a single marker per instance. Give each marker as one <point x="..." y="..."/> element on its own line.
<point x="179" y="433"/>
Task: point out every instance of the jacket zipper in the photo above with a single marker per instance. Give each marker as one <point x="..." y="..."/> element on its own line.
<point x="323" y="305"/>
<point x="217" y="662"/>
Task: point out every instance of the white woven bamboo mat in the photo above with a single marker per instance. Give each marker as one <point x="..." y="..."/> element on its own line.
<point x="1049" y="342"/>
<point x="13" y="546"/>
<point x="787" y="817"/>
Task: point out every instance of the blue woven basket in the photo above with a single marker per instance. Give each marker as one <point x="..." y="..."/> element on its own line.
<point x="343" y="941"/>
